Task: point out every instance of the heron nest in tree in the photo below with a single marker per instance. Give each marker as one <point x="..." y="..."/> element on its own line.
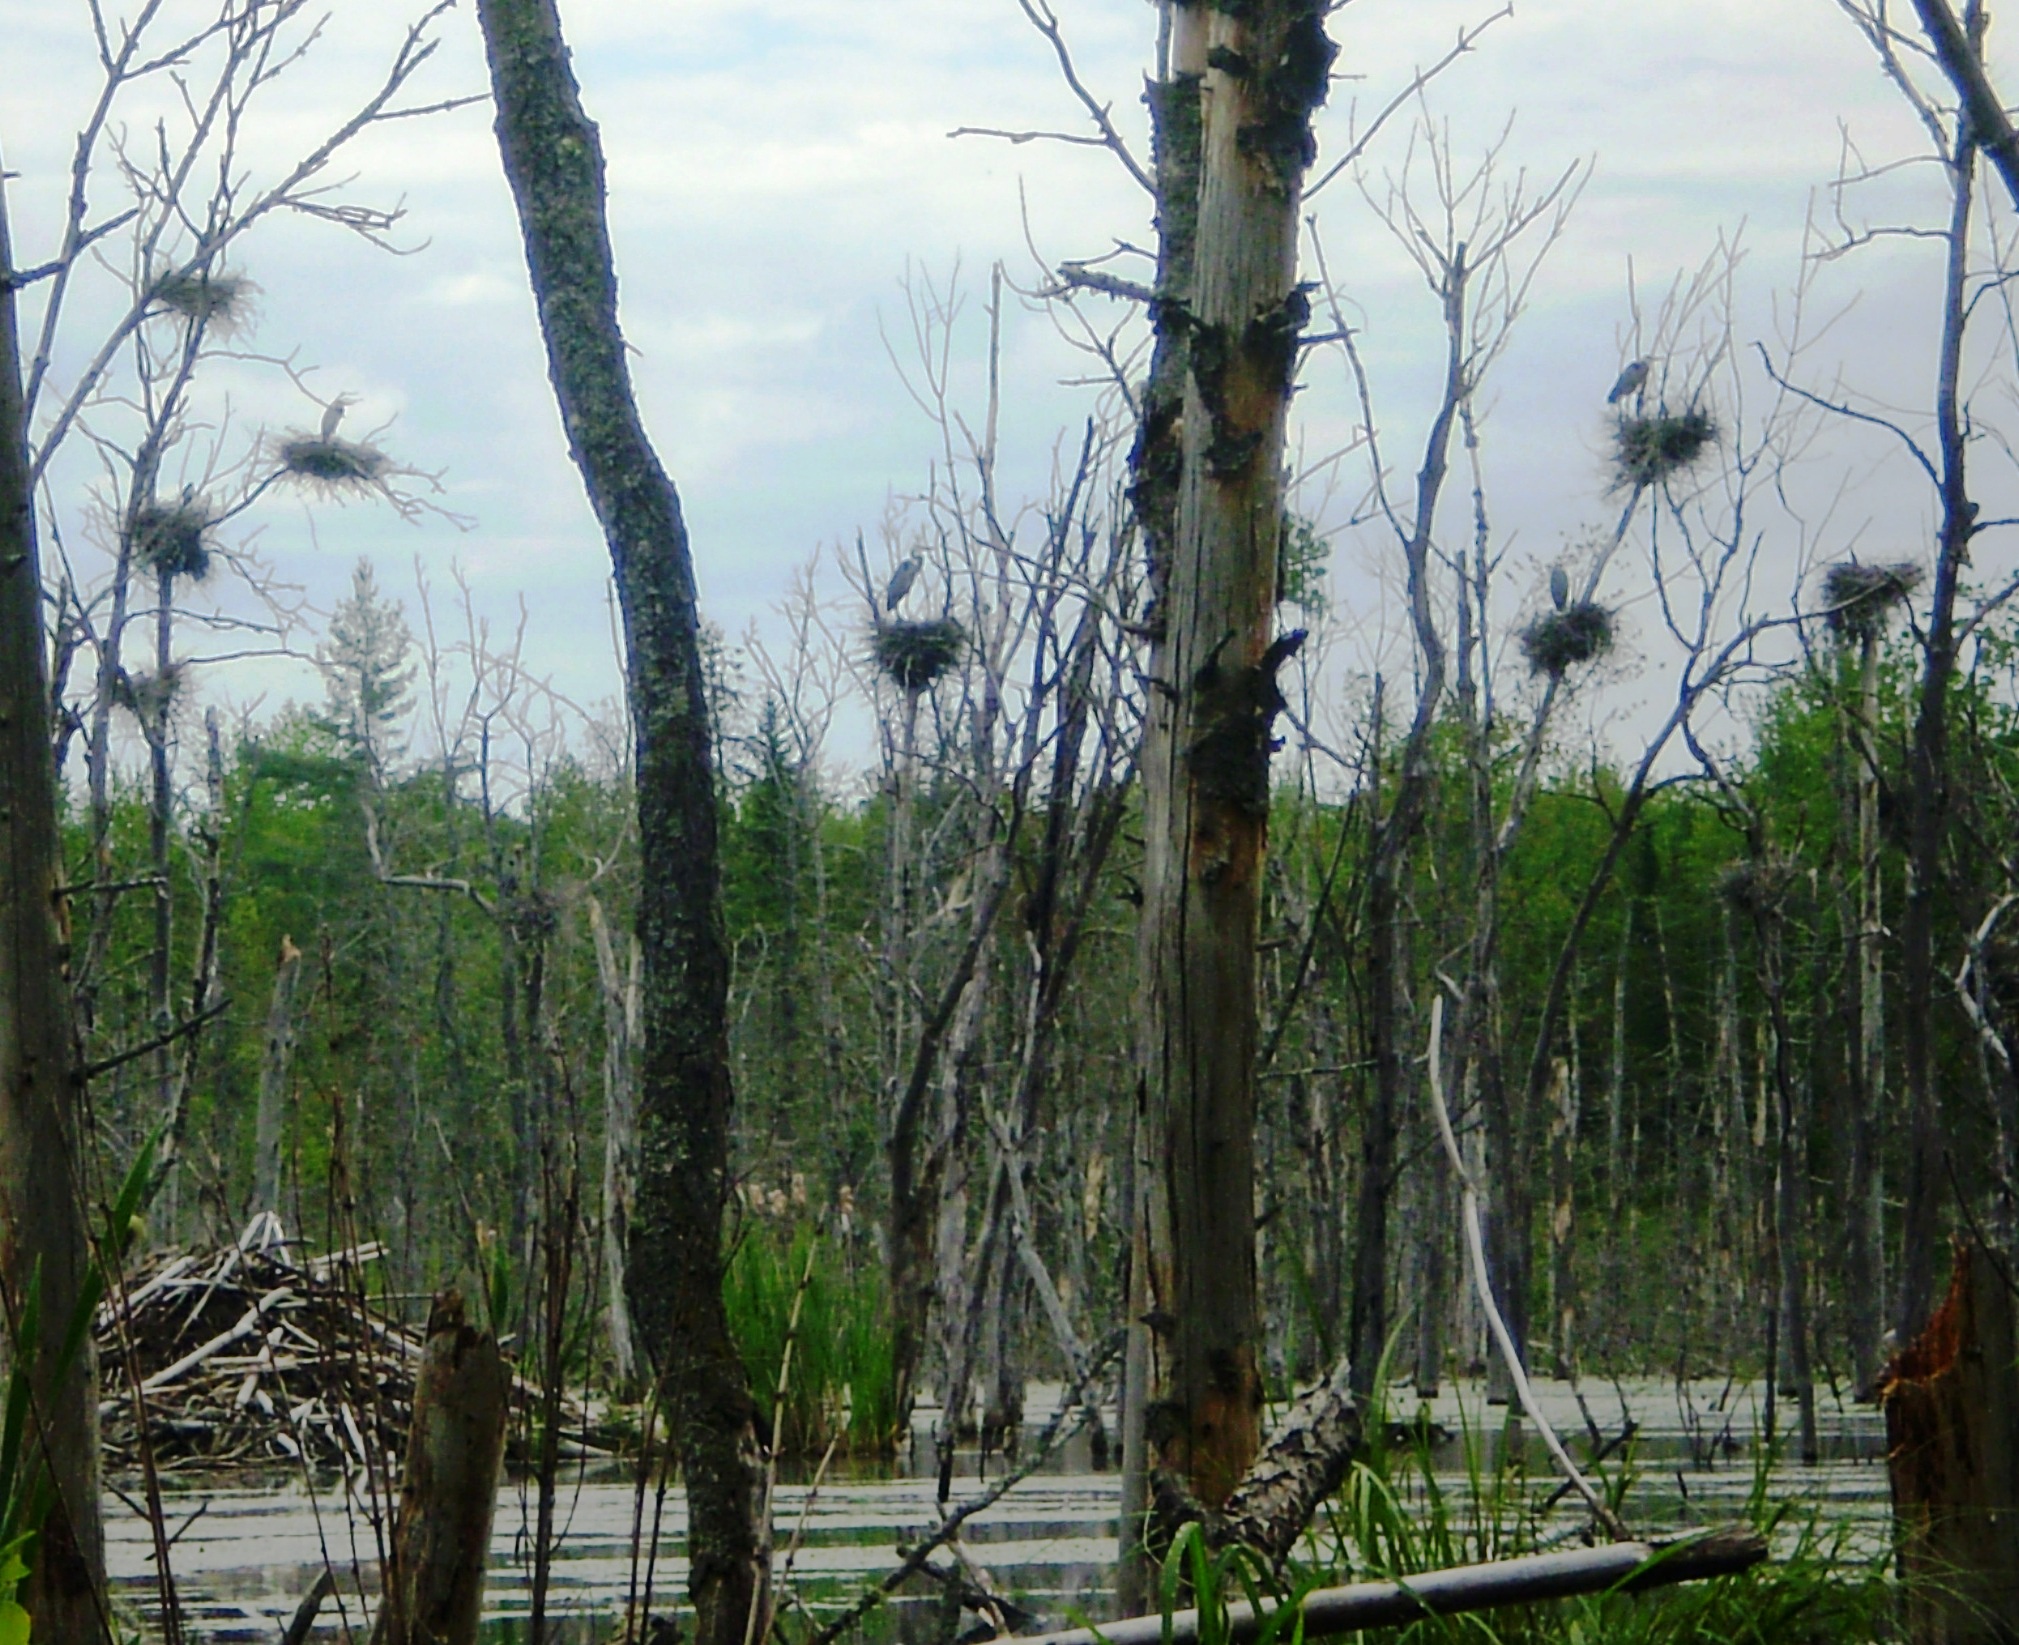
<point x="219" y="300"/>
<point x="169" y="538"/>
<point x="918" y="655"/>
<point x="1757" y="887"/>
<point x="1648" y="450"/>
<point x="333" y="466"/>
<point x="1559" y="640"/>
<point x="150" y="697"/>
<point x="1859" y="596"/>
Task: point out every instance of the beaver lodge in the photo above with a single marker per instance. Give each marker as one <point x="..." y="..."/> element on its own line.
<point x="255" y="1355"/>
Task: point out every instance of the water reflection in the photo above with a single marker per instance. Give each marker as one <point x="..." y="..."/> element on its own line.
<point x="245" y="1551"/>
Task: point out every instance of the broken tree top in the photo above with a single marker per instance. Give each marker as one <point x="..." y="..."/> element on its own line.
<point x="254" y="1355"/>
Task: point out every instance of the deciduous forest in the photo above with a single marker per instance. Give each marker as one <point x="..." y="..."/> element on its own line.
<point x="1062" y="974"/>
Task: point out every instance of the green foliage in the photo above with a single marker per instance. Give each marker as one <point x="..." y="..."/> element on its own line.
<point x="841" y="1385"/>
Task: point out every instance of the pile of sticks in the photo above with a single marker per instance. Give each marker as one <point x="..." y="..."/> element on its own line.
<point x="256" y="1355"/>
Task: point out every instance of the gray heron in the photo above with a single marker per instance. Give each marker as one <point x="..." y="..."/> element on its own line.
<point x="333" y="414"/>
<point x="901" y="580"/>
<point x="1559" y="586"/>
<point x="1631" y="381"/>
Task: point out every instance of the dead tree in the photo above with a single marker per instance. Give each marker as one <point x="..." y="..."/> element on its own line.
<point x="553" y="160"/>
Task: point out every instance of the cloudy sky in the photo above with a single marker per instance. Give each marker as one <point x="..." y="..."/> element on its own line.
<point x="778" y="168"/>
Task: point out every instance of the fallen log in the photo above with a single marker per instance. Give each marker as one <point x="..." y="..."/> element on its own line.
<point x="1631" y="1567"/>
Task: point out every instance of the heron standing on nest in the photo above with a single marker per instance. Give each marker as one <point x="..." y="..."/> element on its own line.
<point x="901" y="580"/>
<point x="333" y="414"/>
<point x="1559" y="586"/>
<point x="1631" y="381"/>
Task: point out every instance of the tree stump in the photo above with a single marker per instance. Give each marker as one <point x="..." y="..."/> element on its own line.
<point x="1951" y="1399"/>
<point x="435" y="1580"/>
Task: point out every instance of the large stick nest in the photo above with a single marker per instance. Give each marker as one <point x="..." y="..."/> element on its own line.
<point x="1859" y="597"/>
<point x="334" y="467"/>
<point x="255" y="1356"/>
<point x="1648" y="450"/>
<point x="1561" y="640"/>
<point x="918" y="655"/>
<point x="219" y="300"/>
<point x="172" y="539"/>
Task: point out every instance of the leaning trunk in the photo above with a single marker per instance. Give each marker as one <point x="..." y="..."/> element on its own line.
<point x="553" y="160"/>
<point x="43" y="1250"/>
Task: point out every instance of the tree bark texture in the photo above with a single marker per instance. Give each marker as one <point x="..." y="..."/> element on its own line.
<point x="1952" y="1434"/>
<point x="553" y="160"/>
<point x="1865" y="1268"/>
<point x="1927" y="787"/>
<point x="43" y="1246"/>
<point x="449" y="1486"/>
<point x="1213" y="699"/>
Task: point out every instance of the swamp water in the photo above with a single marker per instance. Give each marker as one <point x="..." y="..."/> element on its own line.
<point x="243" y="1554"/>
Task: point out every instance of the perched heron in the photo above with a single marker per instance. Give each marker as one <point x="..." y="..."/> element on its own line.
<point x="1559" y="586"/>
<point x="333" y="414"/>
<point x="1630" y="381"/>
<point x="901" y="580"/>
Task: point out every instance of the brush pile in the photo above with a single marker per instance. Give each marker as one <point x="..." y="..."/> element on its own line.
<point x="255" y="1356"/>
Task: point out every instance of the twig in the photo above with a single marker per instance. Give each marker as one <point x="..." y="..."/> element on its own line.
<point x="104" y="1065"/>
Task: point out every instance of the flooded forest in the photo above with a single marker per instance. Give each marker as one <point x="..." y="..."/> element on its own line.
<point x="1193" y="1016"/>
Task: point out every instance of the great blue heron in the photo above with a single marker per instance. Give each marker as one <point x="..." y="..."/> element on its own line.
<point x="901" y="580"/>
<point x="333" y="414"/>
<point x="1559" y="586"/>
<point x="1631" y="381"/>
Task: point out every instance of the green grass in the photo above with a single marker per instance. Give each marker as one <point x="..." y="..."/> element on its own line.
<point x="843" y="1382"/>
<point x="1394" y="1518"/>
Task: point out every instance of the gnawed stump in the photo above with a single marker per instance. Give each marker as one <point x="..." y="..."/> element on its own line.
<point x="435" y="1583"/>
<point x="1951" y="1399"/>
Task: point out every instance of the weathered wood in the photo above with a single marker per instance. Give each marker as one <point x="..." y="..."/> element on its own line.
<point x="435" y="1582"/>
<point x="1632" y="1567"/>
<point x="42" y="1235"/>
<point x="1207" y="740"/>
<point x="1952" y="1430"/>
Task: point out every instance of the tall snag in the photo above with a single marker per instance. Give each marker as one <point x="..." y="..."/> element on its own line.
<point x="554" y="162"/>
<point x="1212" y="702"/>
<point x="44" y="1256"/>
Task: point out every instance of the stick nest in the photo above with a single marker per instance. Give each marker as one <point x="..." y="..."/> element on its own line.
<point x="1859" y="597"/>
<point x="151" y="697"/>
<point x="251" y="1355"/>
<point x="221" y="300"/>
<point x="1648" y="450"/>
<point x="919" y="655"/>
<point x="1560" y="640"/>
<point x="332" y="466"/>
<point x="171" y="539"/>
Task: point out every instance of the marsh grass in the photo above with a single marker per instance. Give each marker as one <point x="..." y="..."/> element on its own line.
<point x="1394" y="1518"/>
<point x="843" y="1383"/>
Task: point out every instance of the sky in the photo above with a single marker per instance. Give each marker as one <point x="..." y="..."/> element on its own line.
<point x="781" y="170"/>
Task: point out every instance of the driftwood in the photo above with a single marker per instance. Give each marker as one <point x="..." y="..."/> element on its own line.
<point x="1629" y="1566"/>
<point x="1952" y="1453"/>
<point x="449" y="1487"/>
<point x="253" y="1356"/>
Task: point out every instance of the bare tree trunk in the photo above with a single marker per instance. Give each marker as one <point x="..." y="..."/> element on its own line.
<point x="1928" y="776"/>
<point x="1865" y="1270"/>
<point x="44" y="1255"/>
<point x="553" y="160"/>
<point x="276" y="1055"/>
<point x="1563" y="1102"/>
<point x="1213" y="700"/>
<point x="621" y="1007"/>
